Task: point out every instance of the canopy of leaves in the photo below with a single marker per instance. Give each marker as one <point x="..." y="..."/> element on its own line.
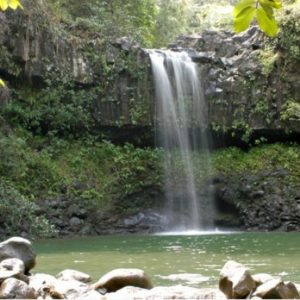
<point x="263" y="10"/>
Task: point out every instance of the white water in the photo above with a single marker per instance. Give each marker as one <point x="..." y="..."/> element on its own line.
<point x="180" y="110"/>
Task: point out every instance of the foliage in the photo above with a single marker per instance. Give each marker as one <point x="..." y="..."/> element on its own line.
<point x="262" y="10"/>
<point x="60" y="108"/>
<point x="41" y="168"/>
<point x="110" y="18"/>
<point x="290" y="111"/>
<point x="172" y="20"/>
<point x="18" y="215"/>
<point x="216" y="16"/>
<point x="261" y="158"/>
<point x="289" y="36"/>
<point x="268" y="58"/>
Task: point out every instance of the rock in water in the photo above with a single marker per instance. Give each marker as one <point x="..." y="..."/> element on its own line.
<point x="16" y="289"/>
<point x="17" y="247"/>
<point x="277" y="289"/>
<point x="289" y="291"/>
<point x="235" y="281"/>
<point x="262" y="278"/>
<point x="69" y="274"/>
<point x="119" y="278"/>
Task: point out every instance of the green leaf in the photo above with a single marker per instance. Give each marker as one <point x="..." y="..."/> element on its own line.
<point x="3" y="4"/>
<point x="266" y="23"/>
<point x="268" y="9"/>
<point x="2" y="83"/>
<point x="244" y="19"/>
<point x="271" y="3"/>
<point x="238" y="9"/>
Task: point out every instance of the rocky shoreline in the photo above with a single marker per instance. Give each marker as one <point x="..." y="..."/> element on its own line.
<point x="17" y="259"/>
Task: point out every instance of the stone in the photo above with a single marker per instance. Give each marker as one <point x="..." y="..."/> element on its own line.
<point x="269" y="289"/>
<point x="69" y="274"/>
<point x="48" y="286"/>
<point x="89" y="295"/>
<point x="261" y="278"/>
<point x="17" y="247"/>
<point x="12" y="288"/>
<point x="75" y="223"/>
<point x="42" y="284"/>
<point x="119" y="278"/>
<point x="277" y="289"/>
<point x="289" y="291"/>
<point x="128" y="293"/>
<point x="165" y="293"/>
<point x="235" y="280"/>
<point x="12" y="267"/>
<point x="68" y="288"/>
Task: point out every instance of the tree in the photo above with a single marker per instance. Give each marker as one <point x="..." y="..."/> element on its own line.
<point x="4" y="5"/>
<point x="263" y="10"/>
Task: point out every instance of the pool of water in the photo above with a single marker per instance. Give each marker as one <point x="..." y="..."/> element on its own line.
<point x="193" y="260"/>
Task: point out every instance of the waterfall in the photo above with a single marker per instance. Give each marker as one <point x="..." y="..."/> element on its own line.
<point x="180" y="119"/>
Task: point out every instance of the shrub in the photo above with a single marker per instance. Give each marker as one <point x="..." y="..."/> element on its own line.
<point x="18" y="215"/>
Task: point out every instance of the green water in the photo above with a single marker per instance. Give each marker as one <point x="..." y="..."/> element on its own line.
<point x="197" y="259"/>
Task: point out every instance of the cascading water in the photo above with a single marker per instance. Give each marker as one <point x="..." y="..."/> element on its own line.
<point x="180" y="108"/>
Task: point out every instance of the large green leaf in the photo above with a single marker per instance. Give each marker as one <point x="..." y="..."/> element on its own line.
<point x="267" y="23"/>
<point x="268" y="9"/>
<point x="238" y="9"/>
<point x="3" y="4"/>
<point x="271" y="3"/>
<point x="244" y="19"/>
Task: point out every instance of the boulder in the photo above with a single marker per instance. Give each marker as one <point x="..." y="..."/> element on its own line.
<point x="128" y="293"/>
<point x="289" y="291"/>
<point x="17" y="247"/>
<point x="235" y="281"/>
<point x="277" y="289"/>
<point x="119" y="278"/>
<point x="69" y="274"/>
<point x="165" y="293"/>
<point x="48" y="286"/>
<point x="12" y="288"/>
<point x="261" y="278"/>
<point x="184" y="293"/>
<point x="42" y="284"/>
<point x="12" y="267"/>
<point x="69" y="289"/>
<point x="90" y="295"/>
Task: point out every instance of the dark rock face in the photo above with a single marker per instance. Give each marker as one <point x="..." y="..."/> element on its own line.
<point x="263" y="201"/>
<point x="242" y="96"/>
